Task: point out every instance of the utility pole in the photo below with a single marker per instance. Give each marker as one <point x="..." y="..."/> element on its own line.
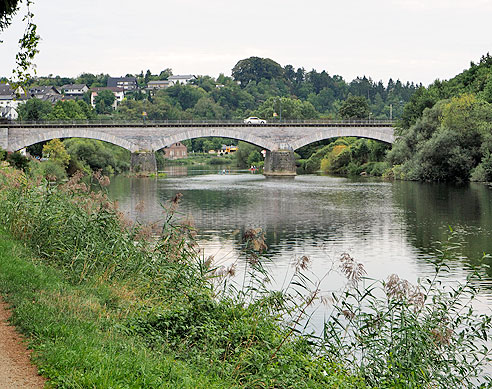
<point x="391" y="111"/>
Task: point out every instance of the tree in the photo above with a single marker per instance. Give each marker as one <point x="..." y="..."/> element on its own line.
<point x="34" y="109"/>
<point x="254" y="158"/>
<point x="206" y="108"/>
<point x="28" y="43"/>
<point x="290" y="108"/>
<point x="256" y="69"/>
<point x="244" y="150"/>
<point x="104" y="101"/>
<point x="185" y="95"/>
<point x="65" y="110"/>
<point x="355" y="107"/>
<point x="96" y="155"/>
<point x="55" y="151"/>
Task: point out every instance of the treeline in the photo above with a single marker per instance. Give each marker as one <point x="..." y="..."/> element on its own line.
<point x="258" y="86"/>
<point x="446" y="130"/>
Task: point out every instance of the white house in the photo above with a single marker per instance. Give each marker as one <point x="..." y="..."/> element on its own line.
<point x="75" y="89"/>
<point x="10" y="101"/>
<point x="159" y="84"/>
<point x="181" y="79"/>
<point x="119" y="95"/>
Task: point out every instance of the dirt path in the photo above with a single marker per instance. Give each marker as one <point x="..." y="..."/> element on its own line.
<point x="16" y="370"/>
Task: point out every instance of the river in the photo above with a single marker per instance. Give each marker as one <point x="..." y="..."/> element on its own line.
<point x="390" y="227"/>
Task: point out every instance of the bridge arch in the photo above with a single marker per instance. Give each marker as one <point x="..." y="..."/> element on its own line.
<point x="40" y="136"/>
<point x="204" y="132"/>
<point x="380" y="134"/>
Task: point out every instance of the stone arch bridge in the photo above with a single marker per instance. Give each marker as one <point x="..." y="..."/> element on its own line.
<point x="144" y="138"/>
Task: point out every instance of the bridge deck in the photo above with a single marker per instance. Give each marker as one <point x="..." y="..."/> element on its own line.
<point x="133" y="124"/>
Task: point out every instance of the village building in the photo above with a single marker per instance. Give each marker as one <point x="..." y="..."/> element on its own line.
<point x="45" y="93"/>
<point x="119" y="95"/>
<point x="227" y="149"/>
<point x="10" y="101"/>
<point x="74" y="89"/>
<point x="126" y="83"/>
<point x="175" y="151"/>
<point x="158" y="84"/>
<point x="181" y="79"/>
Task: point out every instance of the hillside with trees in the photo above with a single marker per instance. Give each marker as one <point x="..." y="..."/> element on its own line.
<point x="446" y="130"/>
<point x="258" y="86"/>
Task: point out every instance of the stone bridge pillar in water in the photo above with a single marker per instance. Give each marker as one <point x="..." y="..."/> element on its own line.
<point x="280" y="163"/>
<point x="143" y="163"/>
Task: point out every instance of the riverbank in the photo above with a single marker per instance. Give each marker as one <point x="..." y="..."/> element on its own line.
<point x="194" y="159"/>
<point x="101" y="307"/>
<point x="105" y="306"/>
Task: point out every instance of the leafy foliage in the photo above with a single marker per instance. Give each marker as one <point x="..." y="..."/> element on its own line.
<point x="355" y="107"/>
<point x="447" y="143"/>
<point x="93" y="155"/>
<point x="348" y="156"/>
<point x="55" y="151"/>
<point x="27" y="44"/>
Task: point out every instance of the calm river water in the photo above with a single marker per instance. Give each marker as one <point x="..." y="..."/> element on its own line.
<point x="390" y="227"/>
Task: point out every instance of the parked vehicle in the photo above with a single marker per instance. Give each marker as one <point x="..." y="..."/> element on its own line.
<point x="254" y="120"/>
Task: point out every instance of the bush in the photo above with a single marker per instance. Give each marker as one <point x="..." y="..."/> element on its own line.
<point x="483" y="172"/>
<point x="217" y="161"/>
<point x="51" y="170"/>
<point x="18" y="161"/>
<point x="398" y="335"/>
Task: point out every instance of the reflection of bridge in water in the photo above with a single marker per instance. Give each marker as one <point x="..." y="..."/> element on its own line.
<point x="144" y="138"/>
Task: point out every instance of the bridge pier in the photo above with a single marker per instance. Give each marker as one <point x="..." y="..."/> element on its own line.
<point x="4" y="138"/>
<point x="280" y="163"/>
<point x="143" y="163"/>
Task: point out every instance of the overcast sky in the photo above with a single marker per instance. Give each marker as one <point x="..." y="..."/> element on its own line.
<point x="410" y="40"/>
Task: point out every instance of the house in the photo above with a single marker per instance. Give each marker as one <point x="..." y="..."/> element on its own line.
<point x="175" y="151"/>
<point x="227" y="149"/>
<point x="119" y="94"/>
<point x="46" y="93"/>
<point x="181" y="79"/>
<point x="126" y="83"/>
<point x="10" y="101"/>
<point x="74" y="89"/>
<point x="160" y="84"/>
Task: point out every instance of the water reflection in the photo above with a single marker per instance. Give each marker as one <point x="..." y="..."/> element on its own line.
<point x="390" y="227"/>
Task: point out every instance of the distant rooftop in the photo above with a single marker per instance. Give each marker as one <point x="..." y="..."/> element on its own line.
<point x="113" y="81"/>
<point x="181" y="77"/>
<point x="73" y="86"/>
<point x="111" y="88"/>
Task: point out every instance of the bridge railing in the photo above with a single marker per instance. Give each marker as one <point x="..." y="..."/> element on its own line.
<point x="198" y="122"/>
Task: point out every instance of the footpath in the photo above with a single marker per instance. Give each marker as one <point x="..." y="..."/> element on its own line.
<point x="16" y="370"/>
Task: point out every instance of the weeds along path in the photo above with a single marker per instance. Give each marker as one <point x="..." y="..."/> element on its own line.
<point x="16" y="370"/>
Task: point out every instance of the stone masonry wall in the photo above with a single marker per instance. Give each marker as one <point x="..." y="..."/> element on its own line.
<point x="280" y="163"/>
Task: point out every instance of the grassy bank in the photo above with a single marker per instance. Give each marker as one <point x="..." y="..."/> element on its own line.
<point x="78" y="332"/>
<point x="103" y="307"/>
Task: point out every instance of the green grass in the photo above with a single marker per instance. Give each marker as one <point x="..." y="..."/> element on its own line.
<point x="77" y="334"/>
